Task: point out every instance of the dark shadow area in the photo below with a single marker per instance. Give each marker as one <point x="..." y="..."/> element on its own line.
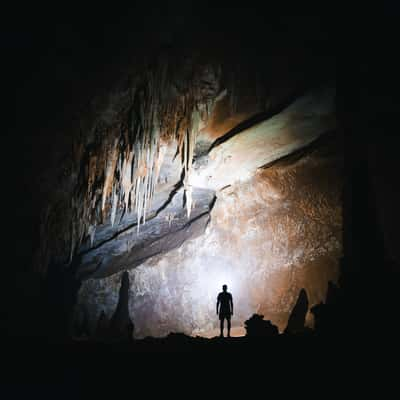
<point x="297" y="318"/>
<point x="53" y="77"/>
<point x="257" y="327"/>
<point x="121" y="325"/>
<point x="363" y="306"/>
<point x="117" y="329"/>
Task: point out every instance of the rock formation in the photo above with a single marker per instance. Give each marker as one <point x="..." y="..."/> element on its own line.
<point x="256" y="326"/>
<point x="121" y="326"/>
<point x="267" y="239"/>
<point x="297" y="319"/>
<point x="189" y="164"/>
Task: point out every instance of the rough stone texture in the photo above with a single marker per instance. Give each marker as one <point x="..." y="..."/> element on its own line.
<point x="116" y="246"/>
<point x="296" y="126"/>
<point x="113" y="247"/>
<point x="92" y="169"/>
<point x="268" y="238"/>
<point x="75" y="154"/>
<point x="128" y="247"/>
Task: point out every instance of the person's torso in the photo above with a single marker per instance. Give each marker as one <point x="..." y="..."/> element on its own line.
<point x="225" y="299"/>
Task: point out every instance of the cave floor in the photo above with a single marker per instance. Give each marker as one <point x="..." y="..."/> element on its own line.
<point x="237" y="331"/>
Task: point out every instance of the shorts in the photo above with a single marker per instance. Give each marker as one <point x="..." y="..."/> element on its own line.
<point x="226" y="316"/>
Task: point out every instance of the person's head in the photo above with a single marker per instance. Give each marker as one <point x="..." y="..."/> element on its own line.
<point x="224" y="288"/>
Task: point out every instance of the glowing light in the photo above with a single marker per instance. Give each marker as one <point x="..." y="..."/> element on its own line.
<point x="212" y="280"/>
<point x="210" y="276"/>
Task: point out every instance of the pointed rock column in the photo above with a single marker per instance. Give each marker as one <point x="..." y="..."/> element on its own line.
<point x="121" y="325"/>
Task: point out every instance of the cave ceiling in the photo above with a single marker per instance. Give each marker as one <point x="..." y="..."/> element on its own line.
<point x="137" y="168"/>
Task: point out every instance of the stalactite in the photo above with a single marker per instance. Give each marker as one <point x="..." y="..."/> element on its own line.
<point x="190" y="142"/>
<point x="110" y="164"/>
<point x="73" y="240"/>
<point x="92" y="232"/>
<point x="120" y="167"/>
<point x="117" y="164"/>
<point x="126" y="177"/>
<point x="114" y="206"/>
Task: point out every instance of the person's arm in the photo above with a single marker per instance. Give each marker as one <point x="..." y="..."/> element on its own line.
<point x="231" y="301"/>
<point x="218" y="301"/>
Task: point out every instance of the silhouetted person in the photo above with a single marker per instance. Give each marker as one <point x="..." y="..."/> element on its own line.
<point x="225" y="309"/>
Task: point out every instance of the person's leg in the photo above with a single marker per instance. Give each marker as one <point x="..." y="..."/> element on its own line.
<point x="229" y="326"/>
<point x="221" y="325"/>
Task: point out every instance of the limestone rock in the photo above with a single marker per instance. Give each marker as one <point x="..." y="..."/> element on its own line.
<point x="169" y="228"/>
<point x="267" y="239"/>
<point x="238" y="158"/>
<point x="121" y="326"/>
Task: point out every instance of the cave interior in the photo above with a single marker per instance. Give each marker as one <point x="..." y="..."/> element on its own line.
<point x="166" y="151"/>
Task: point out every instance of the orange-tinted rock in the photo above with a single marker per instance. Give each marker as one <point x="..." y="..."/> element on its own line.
<point x="237" y="159"/>
<point x="268" y="238"/>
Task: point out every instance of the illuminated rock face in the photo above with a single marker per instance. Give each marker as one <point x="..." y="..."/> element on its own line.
<point x="171" y="139"/>
<point x="168" y="228"/>
<point x="117" y="243"/>
<point x="267" y="239"/>
<point x="238" y="157"/>
<point x="175" y="148"/>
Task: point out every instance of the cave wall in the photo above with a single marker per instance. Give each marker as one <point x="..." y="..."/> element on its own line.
<point x="79" y="115"/>
<point x="267" y="239"/>
<point x="75" y="72"/>
<point x="150" y="82"/>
